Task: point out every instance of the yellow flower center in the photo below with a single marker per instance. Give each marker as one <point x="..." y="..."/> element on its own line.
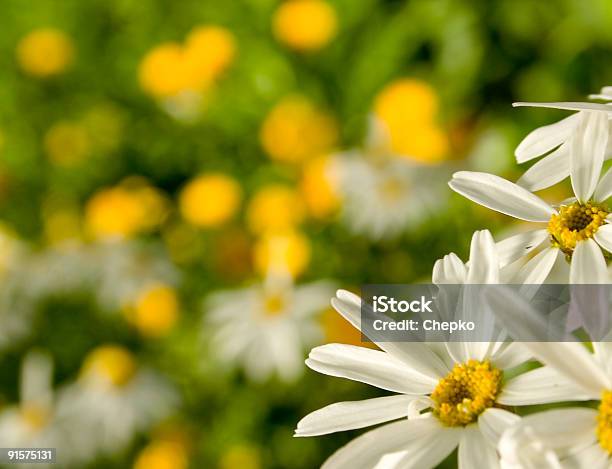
<point x="274" y="305"/>
<point x="392" y="189"/>
<point x="466" y="392"/>
<point x="35" y="415"/>
<point x="113" y="363"/>
<point x="575" y="222"/>
<point x="604" y="422"/>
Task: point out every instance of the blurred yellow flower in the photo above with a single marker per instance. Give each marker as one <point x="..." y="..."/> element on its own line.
<point x="209" y="51"/>
<point x="155" y="311"/>
<point x="408" y="108"/>
<point x="241" y="457"/>
<point x="162" y="455"/>
<point x="318" y="187"/>
<point x="295" y="130"/>
<point x="45" y="52"/>
<point x="172" y="68"/>
<point x="112" y="363"/>
<point x="275" y="208"/>
<point x="162" y="72"/>
<point x="67" y="143"/>
<point x="281" y="253"/>
<point x="210" y="200"/>
<point x="305" y="25"/>
<point x="125" y="210"/>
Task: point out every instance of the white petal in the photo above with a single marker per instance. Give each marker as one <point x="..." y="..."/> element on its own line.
<point x="562" y="428"/>
<point x="604" y="187"/>
<point x="591" y="457"/>
<point x="501" y="195"/>
<point x="548" y="171"/>
<point x="540" y="386"/>
<point x="587" y="151"/>
<point x="605" y="94"/>
<point x="568" y="106"/>
<point x="416" y="355"/>
<point x="568" y="358"/>
<point x="546" y="138"/>
<point x="603" y="237"/>
<point x="588" y="264"/>
<point x="493" y="422"/>
<point x="449" y="269"/>
<point x="417" y="437"/>
<point x="343" y="416"/>
<point x="536" y="270"/>
<point x="475" y="451"/>
<point x="484" y="260"/>
<point x="517" y="246"/>
<point x="368" y="366"/>
<point x="509" y="355"/>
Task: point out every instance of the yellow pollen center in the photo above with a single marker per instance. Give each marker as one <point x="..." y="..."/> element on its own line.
<point x="575" y="222"/>
<point x="36" y="416"/>
<point x="392" y="189"/>
<point x="274" y="305"/>
<point x="604" y="422"/>
<point x="467" y="391"/>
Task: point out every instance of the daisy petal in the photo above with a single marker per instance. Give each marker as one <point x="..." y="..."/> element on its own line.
<point x="368" y="366"/>
<point x="501" y="195"/>
<point x="474" y="450"/>
<point x="343" y="416"/>
<point x="449" y="269"/>
<point x="509" y="355"/>
<point x="569" y="358"/>
<point x="546" y="138"/>
<point x="517" y="246"/>
<point x="564" y="428"/>
<point x="493" y="422"/>
<point x="540" y="386"/>
<point x="603" y="237"/>
<point x="567" y="106"/>
<point x="588" y="264"/>
<point x="418" y="356"/>
<point x="604" y="187"/>
<point x="418" y="438"/>
<point x="536" y="270"/>
<point x="548" y="171"/>
<point x="484" y="262"/>
<point x="587" y="151"/>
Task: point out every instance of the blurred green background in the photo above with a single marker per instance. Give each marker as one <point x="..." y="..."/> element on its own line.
<point x="154" y="153"/>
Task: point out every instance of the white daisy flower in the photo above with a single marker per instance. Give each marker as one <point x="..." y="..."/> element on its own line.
<point x="449" y="395"/>
<point x="266" y="327"/>
<point x="32" y="423"/>
<point x="111" y="402"/>
<point x="578" y="146"/>
<point x="384" y="194"/>
<point x="579" y="229"/>
<point x="579" y="437"/>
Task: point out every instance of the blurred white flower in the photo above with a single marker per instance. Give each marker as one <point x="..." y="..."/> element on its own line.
<point x="112" y="401"/>
<point x="578" y="145"/>
<point x="384" y="194"/>
<point x="450" y="394"/>
<point x="266" y="327"/>
<point x="580" y="229"/>
<point x="33" y="422"/>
